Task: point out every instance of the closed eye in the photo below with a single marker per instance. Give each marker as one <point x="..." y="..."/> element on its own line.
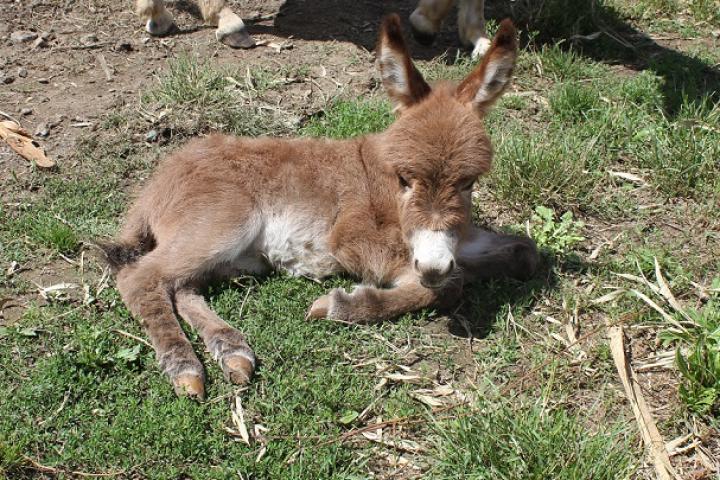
<point x="403" y="182"/>
<point x="467" y="185"/>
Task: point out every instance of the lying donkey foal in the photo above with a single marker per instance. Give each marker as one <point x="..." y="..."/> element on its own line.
<point x="392" y="209"/>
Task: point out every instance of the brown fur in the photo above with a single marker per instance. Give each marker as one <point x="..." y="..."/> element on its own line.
<point x="223" y="205"/>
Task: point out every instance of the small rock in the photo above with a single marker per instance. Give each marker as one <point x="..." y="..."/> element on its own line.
<point x="145" y="40"/>
<point x="123" y="46"/>
<point x="152" y="136"/>
<point x="88" y="39"/>
<point x="22" y="72"/>
<point x="42" y="130"/>
<point x="43" y="80"/>
<point x="25" y="111"/>
<point x="22" y="36"/>
<point x="7" y="80"/>
<point x="39" y="43"/>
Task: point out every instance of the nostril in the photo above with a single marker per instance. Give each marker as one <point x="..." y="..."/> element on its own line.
<point x="417" y="264"/>
<point x="451" y="267"/>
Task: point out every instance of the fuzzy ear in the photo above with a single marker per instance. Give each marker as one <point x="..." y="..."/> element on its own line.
<point x="402" y="81"/>
<point x="490" y="79"/>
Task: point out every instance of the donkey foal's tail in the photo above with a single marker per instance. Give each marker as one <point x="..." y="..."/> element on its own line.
<point x="119" y="253"/>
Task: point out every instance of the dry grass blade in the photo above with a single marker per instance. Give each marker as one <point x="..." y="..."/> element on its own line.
<point x="669" y="318"/>
<point x="609" y="297"/>
<point x="646" y="424"/>
<point x="667" y="293"/>
<point x="238" y="418"/>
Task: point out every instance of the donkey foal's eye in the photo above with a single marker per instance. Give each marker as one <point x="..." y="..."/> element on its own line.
<point x="468" y="185"/>
<point x="403" y="183"/>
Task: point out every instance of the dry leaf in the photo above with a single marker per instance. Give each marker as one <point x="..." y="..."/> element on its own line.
<point x="238" y="418"/>
<point x="20" y="140"/>
<point x="648" y="430"/>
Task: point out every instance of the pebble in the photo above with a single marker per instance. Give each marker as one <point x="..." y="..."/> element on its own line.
<point x="152" y="136"/>
<point x="43" y="80"/>
<point x="88" y="39"/>
<point x="123" y="46"/>
<point x="26" y="111"/>
<point x="40" y="43"/>
<point x="7" y="80"/>
<point x="22" y="36"/>
<point x="42" y="130"/>
<point x="22" y="72"/>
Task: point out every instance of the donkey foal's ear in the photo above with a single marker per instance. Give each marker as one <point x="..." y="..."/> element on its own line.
<point x="402" y="81"/>
<point x="490" y="79"/>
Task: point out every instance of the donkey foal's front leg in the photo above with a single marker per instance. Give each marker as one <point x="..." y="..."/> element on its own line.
<point x="367" y="304"/>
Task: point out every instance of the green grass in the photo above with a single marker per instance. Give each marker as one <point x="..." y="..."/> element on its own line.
<point x="530" y="442"/>
<point x="78" y="393"/>
<point x="350" y="118"/>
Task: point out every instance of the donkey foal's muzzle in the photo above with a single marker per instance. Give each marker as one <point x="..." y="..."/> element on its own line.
<point x="433" y="256"/>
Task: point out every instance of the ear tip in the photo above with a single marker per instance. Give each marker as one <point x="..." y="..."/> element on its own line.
<point x="391" y="24"/>
<point x="506" y="35"/>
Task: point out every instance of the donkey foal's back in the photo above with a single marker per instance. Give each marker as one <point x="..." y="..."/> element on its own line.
<point x="392" y="209"/>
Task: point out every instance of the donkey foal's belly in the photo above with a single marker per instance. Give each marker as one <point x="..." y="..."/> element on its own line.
<point x="295" y="241"/>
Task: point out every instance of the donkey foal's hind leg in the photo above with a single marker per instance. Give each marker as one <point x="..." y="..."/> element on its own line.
<point x="159" y="20"/>
<point x="148" y="297"/>
<point x="226" y="344"/>
<point x="231" y="29"/>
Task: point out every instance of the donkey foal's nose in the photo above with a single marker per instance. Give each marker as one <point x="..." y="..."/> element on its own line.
<point x="434" y="277"/>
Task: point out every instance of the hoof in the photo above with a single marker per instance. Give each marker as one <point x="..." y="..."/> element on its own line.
<point x="236" y="39"/>
<point x="238" y="369"/>
<point x="189" y="385"/>
<point x="481" y="47"/>
<point x="319" y="309"/>
<point x="163" y="25"/>
<point x="423" y="29"/>
<point x="425" y="39"/>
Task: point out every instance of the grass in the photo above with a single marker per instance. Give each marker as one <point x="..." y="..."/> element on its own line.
<point x="78" y="391"/>
<point x="530" y="442"/>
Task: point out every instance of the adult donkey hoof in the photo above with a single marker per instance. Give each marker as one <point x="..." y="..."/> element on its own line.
<point x="161" y="25"/>
<point x="236" y="39"/>
<point x="422" y="29"/>
<point x="189" y="385"/>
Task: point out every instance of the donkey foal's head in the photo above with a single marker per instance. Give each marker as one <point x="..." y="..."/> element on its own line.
<point x="438" y="147"/>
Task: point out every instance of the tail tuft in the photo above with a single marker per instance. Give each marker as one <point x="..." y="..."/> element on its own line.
<point x="120" y="254"/>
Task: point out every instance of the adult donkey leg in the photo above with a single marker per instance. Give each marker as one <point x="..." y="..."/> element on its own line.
<point x="231" y="29"/>
<point x="427" y="19"/>
<point x="367" y="304"/>
<point x="484" y="255"/>
<point x="148" y="295"/>
<point x="471" y="26"/>
<point x="226" y="344"/>
<point x="159" y="20"/>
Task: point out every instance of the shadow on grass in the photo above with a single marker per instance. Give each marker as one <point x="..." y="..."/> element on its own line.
<point x="484" y="303"/>
<point x="591" y="27"/>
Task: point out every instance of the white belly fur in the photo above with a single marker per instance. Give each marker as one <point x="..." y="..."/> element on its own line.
<point x="295" y="240"/>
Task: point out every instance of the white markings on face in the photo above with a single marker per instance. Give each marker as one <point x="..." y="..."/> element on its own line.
<point x="433" y="250"/>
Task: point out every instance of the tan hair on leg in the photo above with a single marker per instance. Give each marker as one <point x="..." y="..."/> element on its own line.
<point x="159" y="20"/>
<point x="427" y="19"/>
<point x="471" y="26"/>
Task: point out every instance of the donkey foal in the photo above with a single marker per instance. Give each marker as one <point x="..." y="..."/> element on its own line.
<point x="392" y="209"/>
